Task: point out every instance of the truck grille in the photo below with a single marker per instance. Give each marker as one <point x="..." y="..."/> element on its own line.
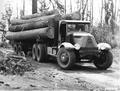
<point x="90" y="42"/>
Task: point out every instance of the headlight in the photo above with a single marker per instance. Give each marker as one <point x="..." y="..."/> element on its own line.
<point x="77" y="46"/>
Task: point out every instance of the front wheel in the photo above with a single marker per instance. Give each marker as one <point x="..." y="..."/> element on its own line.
<point x="66" y="58"/>
<point x="104" y="61"/>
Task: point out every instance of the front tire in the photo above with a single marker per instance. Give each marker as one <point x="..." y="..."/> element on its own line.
<point x="104" y="61"/>
<point x="66" y="58"/>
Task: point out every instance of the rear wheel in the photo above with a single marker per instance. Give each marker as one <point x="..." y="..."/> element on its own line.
<point x="19" y="49"/>
<point x="25" y="49"/>
<point x="41" y="53"/>
<point x="16" y="48"/>
<point x="34" y="52"/>
<point x="66" y="58"/>
<point x="104" y="61"/>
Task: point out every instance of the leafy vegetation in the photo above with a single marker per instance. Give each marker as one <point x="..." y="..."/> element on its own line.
<point x="103" y="33"/>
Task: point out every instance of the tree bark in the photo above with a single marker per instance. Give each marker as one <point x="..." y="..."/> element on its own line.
<point x="44" y="18"/>
<point x="34" y="6"/>
<point x="32" y="34"/>
<point x="28" y="26"/>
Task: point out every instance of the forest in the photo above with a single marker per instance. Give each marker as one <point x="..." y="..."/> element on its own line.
<point x="27" y="32"/>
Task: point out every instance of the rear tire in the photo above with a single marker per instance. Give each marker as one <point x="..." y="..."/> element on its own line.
<point x="16" y="48"/>
<point x="19" y="49"/>
<point x="66" y="58"/>
<point x="41" y="53"/>
<point x="34" y="52"/>
<point x="104" y="61"/>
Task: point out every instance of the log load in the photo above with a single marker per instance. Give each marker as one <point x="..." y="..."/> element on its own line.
<point x="43" y="18"/>
<point x="45" y="13"/>
<point x="28" y="26"/>
<point x="39" y="22"/>
<point x="31" y="34"/>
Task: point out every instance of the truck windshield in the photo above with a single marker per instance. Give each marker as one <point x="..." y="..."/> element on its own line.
<point x="77" y="27"/>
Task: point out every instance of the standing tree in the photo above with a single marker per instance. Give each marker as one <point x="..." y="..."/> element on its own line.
<point x="8" y="14"/>
<point x="43" y="5"/>
<point x="34" y="6"/>
<point x="65" y="6"/>
<point x="5" y="20"/>
<point x="91" y="11"/>
<point x="23" y="12"/>
<point x="70" y="6"/>
<point x="60" y="7"/>
<point x="110" y="14"/>
<point x="83" y="10"/>
<point x="102" y="13"/>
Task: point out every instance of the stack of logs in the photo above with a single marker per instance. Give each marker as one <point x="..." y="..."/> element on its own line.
<point x="32" y="26"/>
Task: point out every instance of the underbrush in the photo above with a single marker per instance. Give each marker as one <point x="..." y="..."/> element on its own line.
<point x="5" y="45"/>
<point x="104" y="33"/>
<point x="12" y="64"/>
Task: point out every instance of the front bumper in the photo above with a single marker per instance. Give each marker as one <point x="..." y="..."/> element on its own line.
<point x="88" y="53"/>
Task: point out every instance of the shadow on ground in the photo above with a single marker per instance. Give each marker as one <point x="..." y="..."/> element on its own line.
<point x="90" y="68"/>
<point x="86" y="67"/>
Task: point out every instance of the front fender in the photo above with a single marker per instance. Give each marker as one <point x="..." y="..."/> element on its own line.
<point x="67" y="45"/>
<point x="104" y="46"/>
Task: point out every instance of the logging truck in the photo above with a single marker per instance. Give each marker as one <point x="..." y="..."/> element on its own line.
<point x="70" y="43"/>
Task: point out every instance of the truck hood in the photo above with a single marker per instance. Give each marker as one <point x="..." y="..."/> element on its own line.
<point x="85" y="40"/>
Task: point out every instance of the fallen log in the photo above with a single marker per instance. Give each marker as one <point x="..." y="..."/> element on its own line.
<point x="44" y="18"/>
<point x="28" y="26"/>
<point x="45" y="13"/>
<point x="31" y="34"/>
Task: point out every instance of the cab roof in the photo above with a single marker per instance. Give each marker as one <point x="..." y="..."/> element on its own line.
<point x="74" y="22"/>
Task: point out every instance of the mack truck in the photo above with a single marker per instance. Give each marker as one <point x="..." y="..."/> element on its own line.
<point x="72" y="44"/>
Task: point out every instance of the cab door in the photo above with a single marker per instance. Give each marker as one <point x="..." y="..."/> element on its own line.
<point x="62" y="33"/>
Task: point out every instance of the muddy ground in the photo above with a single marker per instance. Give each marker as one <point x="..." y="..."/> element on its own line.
<point x="48" y="76"/>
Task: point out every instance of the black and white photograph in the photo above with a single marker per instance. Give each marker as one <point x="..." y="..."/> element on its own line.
<point x="59" y="45"/>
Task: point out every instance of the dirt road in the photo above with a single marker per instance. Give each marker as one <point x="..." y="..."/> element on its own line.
<point x="49" y="76"/>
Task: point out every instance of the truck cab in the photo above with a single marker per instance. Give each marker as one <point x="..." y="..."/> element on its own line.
<point x="76" y="44"/>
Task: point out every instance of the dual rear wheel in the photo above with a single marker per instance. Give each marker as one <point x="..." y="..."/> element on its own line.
<point x="18" y="49"/>
<point x="39" y="52"/>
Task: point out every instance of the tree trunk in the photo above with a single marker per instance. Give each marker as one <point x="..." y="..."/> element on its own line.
<point x="34" y="6"/>
<point x="102" y="13"/>
<point x="28" y="26"/>
<point x="31" y="34"/>
<point x="44" y="18"/>
<point x="84" y="8"/>
<point x="70" y="6"/>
